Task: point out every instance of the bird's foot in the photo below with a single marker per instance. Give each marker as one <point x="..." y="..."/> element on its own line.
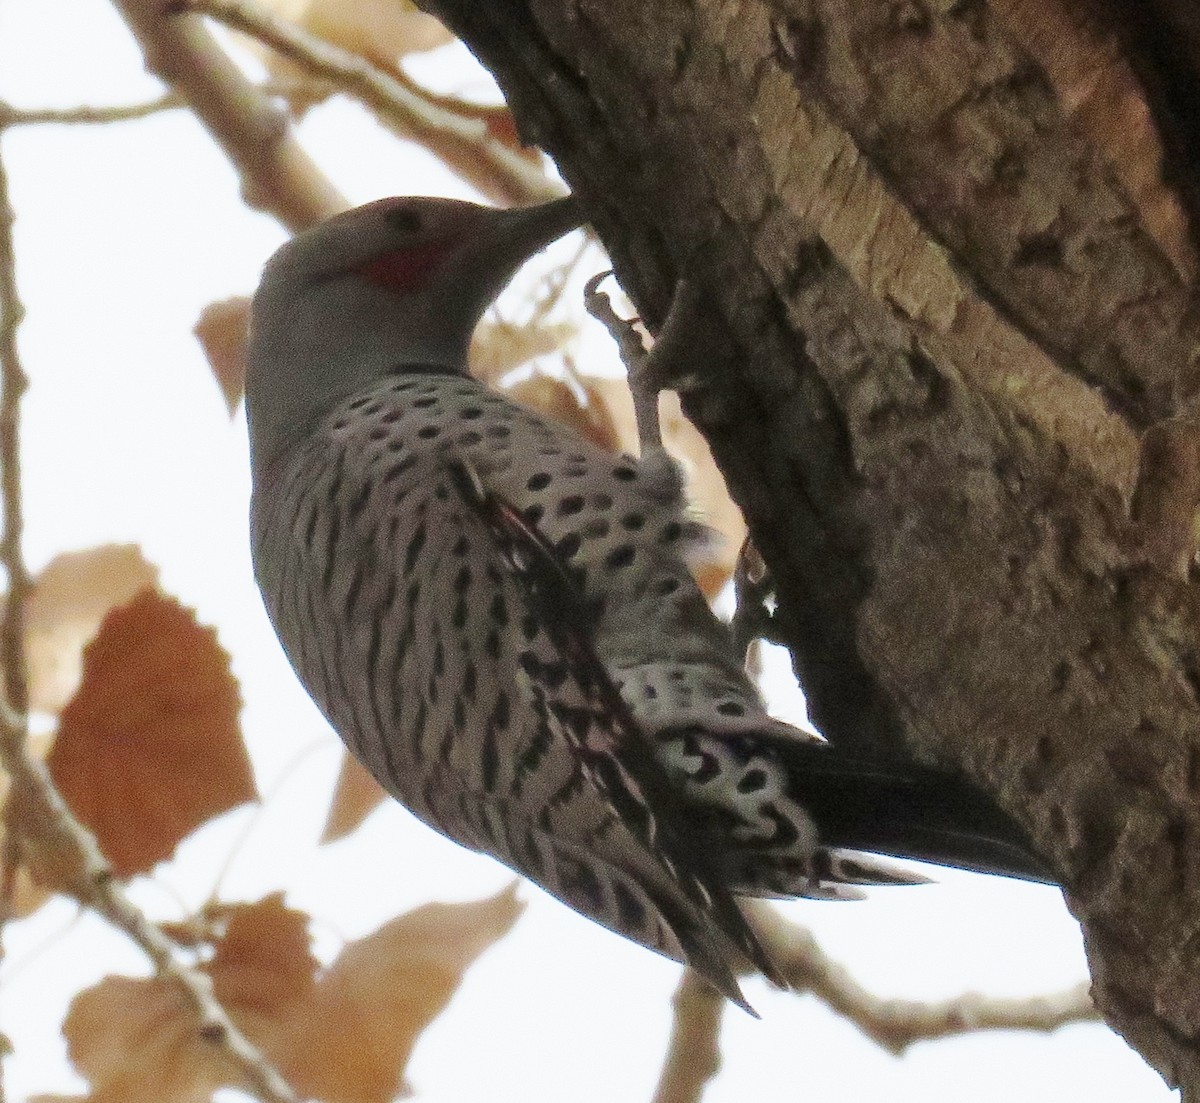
<point x="754" y="589"/>
<point x="671" y="362"/>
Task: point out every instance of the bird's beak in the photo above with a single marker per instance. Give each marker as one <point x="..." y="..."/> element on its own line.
<point x="519" y="232"/>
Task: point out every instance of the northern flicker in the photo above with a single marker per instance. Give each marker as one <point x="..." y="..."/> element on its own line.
<point x="497" y="615"/>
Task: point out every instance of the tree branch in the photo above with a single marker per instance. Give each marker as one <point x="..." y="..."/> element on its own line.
<point x="464" y="144"/>
<point x="50" y="836"/>
<point x="277" y="176"/>
<point x="694" y="1056"/>
<point x="897" y="1024"/>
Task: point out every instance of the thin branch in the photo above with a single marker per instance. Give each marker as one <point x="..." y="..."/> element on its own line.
<point x="897" y="1024"/>
<point x="35" y="809"/>
<point x="13" y="384"/>
<point x="89" y="114"/>
<point x="694" y="1056"/>
<point x="277" y="176"/>
<point x="464" y="143"/>
<point x="84" y="113"/>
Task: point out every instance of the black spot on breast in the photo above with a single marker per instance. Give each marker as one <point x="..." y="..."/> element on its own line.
<point x="533" y="513"/>
<point x="469" y="439"/>
<point x="731" y="708"/>
<point x="620" y="557"/>
<point x="569" y="545"/>
<point x="667" y="586"/>
<point x="462" y="580"/>
<point x="471" y="412"/>
<point x="539" y="481"/>
<point x="570" y="505"/>
<point x="670" y="533"/>
<point x="624" y="473"/>
<point x="425" y="402"/>
<point x="428" y="432"/>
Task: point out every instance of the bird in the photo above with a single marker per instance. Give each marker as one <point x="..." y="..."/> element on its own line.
<point x="498" y="618"/>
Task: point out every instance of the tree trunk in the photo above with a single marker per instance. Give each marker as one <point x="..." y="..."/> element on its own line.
<point x="944" y="316"/>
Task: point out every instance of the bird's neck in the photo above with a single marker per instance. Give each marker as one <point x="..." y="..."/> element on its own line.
<point x="321" y="349"/>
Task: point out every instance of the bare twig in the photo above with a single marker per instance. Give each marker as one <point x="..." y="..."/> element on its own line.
<point x="694" y="1056"/>
<point x="464" y="143"/>
<point x="897" y="1024"/>
<point x="35" y="808"/>
<point x="90" y="114"/>
<point x="277" y="175"/>
<point x="85" y="113"/>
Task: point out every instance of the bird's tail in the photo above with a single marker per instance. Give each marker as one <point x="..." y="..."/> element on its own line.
<point x="901" y="809"/>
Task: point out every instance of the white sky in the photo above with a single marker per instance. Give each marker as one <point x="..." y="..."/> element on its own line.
<point x="124" y="234"/>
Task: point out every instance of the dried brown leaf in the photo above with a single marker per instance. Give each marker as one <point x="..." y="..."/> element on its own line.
<point x="498" y="347"/>
<point x="70" y="598"/>
<point x="150" y="746"/>
<point x="342" y="1036"/>
<point x="557" y="399"/>
<point x="137" y="1041"/>
<point x="376" y="29"/>
<point x="222" y="330"/>
<point x="263" y="962"/>
<point x="356" y="795"/>
<point x="383" y="991"/>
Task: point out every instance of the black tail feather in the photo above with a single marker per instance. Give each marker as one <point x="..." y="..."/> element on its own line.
<point x="897" y="808"/>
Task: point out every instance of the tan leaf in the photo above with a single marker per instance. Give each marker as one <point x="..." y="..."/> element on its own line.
<point x="70" y="598"/>
<point x="370" y="28"/>
<point x="383" y="991"/>
<point x="150" y="746"/>
<point x="263" y="961"/>
<point x="222" y="329"/>
<point x="341" y="1036"/>
<point x="557" y="399"/>
<point x="356" y="795"/>
<point x="137" y="1041"/>
<point x="498" y="347"/>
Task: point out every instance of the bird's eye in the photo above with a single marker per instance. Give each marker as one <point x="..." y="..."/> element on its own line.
<point x="405" y="219"/>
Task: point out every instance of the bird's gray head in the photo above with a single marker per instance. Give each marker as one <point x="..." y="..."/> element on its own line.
<point x="399" y="281"/>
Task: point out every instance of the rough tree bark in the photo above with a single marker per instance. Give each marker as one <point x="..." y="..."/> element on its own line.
<point x="940" y="330"/>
